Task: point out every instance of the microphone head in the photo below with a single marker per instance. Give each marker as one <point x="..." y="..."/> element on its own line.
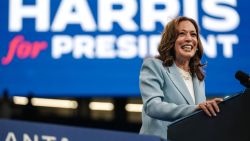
<point x="242" y="76"/>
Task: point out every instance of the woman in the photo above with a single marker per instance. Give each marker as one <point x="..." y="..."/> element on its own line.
<point x="172" y="84"/>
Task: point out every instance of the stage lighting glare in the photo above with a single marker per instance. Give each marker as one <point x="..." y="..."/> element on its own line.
<point x="101" y="106"/>
<point x="133" y="107"/>
<point x="56" y="103"/>
<point x="19" y="100"/>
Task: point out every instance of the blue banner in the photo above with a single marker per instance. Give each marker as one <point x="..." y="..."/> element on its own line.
<point x="58" y="48"/>
<point x="12" y="130"/>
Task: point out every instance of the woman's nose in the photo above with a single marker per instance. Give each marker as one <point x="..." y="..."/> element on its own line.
<point x="188" y="37"/>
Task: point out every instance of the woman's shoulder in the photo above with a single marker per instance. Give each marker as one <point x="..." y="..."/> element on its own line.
<point x="152" y="60"/>
<point x="153" y="63"/>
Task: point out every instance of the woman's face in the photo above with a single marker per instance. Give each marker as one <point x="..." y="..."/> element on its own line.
<point x="186" y="42"/>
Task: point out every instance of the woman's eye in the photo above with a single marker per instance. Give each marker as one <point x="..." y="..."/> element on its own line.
<point x="193" y="34"/>
<point x="181" y="33"/>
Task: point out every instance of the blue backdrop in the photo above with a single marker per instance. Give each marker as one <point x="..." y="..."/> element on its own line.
<point x="96" y="47"/>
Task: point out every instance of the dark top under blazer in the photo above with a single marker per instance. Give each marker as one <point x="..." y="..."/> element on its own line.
<point x="165" y="96"/>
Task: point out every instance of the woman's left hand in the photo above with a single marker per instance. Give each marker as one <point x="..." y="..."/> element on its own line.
<point x="210" y="107"/>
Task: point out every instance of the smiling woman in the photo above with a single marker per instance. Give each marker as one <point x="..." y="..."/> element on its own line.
<point x="186" y="43"/>
<point x="172" y="84"/>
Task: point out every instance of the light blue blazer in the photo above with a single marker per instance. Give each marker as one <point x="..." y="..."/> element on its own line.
<point x="165" y="96"/>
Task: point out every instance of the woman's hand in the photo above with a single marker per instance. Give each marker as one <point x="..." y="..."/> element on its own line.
<point x="210" y="107"/>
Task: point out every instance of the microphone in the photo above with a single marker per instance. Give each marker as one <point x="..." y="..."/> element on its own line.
<point x="243" y="77"/>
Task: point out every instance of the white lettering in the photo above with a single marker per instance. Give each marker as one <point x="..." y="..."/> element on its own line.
<point x="39" y="11"/>
<point x="61" y="45"/>
<point x="227" y="41"/>
<point x="150" y="15"/>
<point x="26" y="137"/>
<point x="226" y="18"/>
<point x="10" y="137"/>
<point x="74" y="12"/>
<point x="124" y="16"/>
<point x="209" y="46"/>
<point x="105" y="47"/>
<point x="64" y="139"/>
<point x="153" y="44"/>
<point x="142" y="46"/>
<point x="48" y="138"/>
<point x="83" y="45"/>
<point x="127" y="46"/>
<point x="190" y="9"/>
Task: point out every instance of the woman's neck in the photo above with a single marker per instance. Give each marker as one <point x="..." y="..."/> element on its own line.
<point x="184" y="65"/>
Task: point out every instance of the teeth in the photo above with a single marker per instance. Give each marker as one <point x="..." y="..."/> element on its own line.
<point x="187" y="47"/>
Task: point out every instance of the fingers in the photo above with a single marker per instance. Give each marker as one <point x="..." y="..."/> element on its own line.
<point x="210" y="107"/>
<point x="218" y="100"/>
<point x="215" y="106"/>
<point x="215" y="102"/>
<point x="204" y="108"/>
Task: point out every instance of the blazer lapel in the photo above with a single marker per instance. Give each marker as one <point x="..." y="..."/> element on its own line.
<point x="196" y="89"/>
<point x="199" y="96"/>
<point x="179" y="83"/>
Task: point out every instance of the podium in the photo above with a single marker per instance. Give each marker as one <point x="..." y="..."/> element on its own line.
<point x="232" y="123"/>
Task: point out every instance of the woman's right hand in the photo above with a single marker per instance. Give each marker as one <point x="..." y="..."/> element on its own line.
<point x="210" y="107"/>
